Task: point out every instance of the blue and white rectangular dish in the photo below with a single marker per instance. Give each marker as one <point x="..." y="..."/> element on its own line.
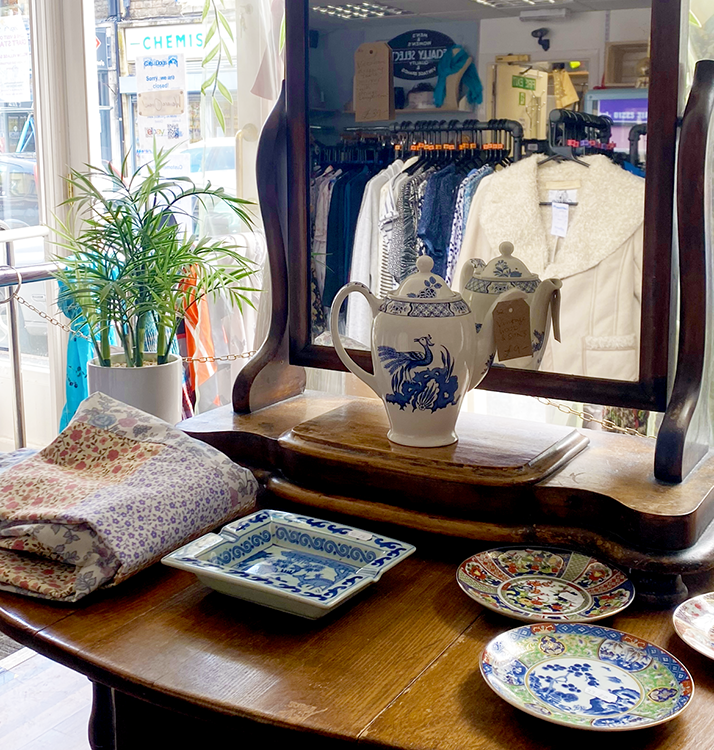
<point x="289" y="562"/>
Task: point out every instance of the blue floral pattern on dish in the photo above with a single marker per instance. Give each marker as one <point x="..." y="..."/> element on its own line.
<point x="584" y="688"/>
<point x="297" y="569"/>
<point x="291" y="562"/>
<point x="586" y="676"/>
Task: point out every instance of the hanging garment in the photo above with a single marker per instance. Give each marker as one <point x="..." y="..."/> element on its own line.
<point x="319" y="234"/>
<point x="599" y="259"/>
<point x="451" y="62"/>
<point x="79" y="353"/>
<point x="219" y="328"/>
<point x="437" y="215"/>
<point x="365" y="253"/>
<point x="342" y="220"/>
<point x="406" y="246"/>
<point x="465" y="195"/>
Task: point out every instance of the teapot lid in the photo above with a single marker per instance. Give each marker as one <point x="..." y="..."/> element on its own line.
<point x="506" y="266"/>
<point x="425" y="285"/>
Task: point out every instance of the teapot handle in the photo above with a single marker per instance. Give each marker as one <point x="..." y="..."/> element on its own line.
<point x="345" y="358"/>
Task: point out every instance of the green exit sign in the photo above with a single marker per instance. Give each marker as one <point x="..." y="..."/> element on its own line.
<point x="521" y="82"/>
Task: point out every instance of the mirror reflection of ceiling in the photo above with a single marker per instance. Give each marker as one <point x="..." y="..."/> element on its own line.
<point x="329" y="15"/>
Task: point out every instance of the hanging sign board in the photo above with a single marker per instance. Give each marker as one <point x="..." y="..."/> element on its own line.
<point x="523" y="82"/>
<point x="15" y="60"/>
<point x="416" y="54"/>
<point x="373" y="85"/>
<point x="162" y="116"/>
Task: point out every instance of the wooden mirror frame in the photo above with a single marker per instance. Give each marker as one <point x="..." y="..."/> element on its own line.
<point x="650" y="391"/>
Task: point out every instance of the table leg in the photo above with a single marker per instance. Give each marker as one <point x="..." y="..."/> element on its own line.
<point x="101" y="720"/>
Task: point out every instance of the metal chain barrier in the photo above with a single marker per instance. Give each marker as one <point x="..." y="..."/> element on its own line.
<point x="587" y="417"/>
<point x="563" y="408"/>
<point x="69" y="329"/>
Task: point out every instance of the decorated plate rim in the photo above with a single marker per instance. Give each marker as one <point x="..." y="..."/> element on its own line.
<point x="523" y="617"/>
<point x="699" y="647"/>
<point x="588" y="728"/>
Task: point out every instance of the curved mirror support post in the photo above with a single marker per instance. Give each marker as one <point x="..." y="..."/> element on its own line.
<point x="268" y="377"/>
<point x="684" y="436"/>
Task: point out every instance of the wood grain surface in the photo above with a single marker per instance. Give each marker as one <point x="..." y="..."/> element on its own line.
<point x="489" y="451"/>
<point x="397" y="667"/>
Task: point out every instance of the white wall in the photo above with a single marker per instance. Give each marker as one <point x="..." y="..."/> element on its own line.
<point x="582" y="36"/>
<point x="332" y="62"/>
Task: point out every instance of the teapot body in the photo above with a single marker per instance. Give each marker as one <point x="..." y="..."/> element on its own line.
<point x="423" y="360"/>
<point x="482" y="284"/>
<point x="426" y="355"/>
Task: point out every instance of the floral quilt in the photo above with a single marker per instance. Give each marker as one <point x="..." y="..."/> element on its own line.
<point x="116" y="491"/>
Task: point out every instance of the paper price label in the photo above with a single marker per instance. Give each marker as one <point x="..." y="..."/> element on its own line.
<point x="512" y="329"/>
<point x="373" y="92"/>
<point x="559" y="224"/>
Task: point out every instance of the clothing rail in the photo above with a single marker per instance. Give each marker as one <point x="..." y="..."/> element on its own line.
<point x="448" y="131"/>
<point x="12" y="278"/>
<point x="636" y="132"/>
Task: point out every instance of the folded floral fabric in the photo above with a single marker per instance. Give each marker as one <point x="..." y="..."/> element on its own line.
<point x="116" y="491"/>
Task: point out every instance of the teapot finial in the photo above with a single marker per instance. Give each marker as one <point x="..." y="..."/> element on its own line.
<point x="506" y="248"/>
<point x="425" y="263"/>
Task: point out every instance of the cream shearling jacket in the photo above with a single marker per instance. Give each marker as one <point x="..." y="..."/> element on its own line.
<point x="599" y="260"/>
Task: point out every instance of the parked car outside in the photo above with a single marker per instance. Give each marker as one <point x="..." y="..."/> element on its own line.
<point x="19" y="207"/>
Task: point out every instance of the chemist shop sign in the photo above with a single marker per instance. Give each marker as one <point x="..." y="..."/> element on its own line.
<point x="416" y="54"/>
<point x="186" y="38"/>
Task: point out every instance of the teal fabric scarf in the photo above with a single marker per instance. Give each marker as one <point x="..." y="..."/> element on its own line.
<point x="452" y="61"/>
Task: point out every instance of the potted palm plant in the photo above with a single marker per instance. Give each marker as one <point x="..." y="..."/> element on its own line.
<point x="133" y="269"/>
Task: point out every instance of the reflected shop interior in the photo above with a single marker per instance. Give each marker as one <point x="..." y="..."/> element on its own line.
<point x="451" y="127"/>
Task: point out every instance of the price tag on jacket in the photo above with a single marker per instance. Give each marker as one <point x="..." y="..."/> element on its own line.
<point x="512" y="329"/>
<point x="559" y="225"/>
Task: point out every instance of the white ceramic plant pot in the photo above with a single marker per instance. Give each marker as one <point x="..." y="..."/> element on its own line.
<point x="155" y="389"/>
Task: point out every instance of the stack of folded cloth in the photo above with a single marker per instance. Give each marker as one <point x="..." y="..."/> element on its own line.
<point x="116" y="491"/>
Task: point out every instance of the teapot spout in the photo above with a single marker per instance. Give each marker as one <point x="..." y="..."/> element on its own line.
<point x="485" y="350"/>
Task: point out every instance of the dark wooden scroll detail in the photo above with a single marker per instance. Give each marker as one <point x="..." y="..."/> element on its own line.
<point x="683" y="438"/>
<point x="268" y="377"/>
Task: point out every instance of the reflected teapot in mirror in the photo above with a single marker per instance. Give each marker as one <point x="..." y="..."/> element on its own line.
<point x="481" y="284"/>
<point x="428" y="351"/>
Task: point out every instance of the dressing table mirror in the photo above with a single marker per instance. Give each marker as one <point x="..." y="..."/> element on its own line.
<point x="620" y="496"/>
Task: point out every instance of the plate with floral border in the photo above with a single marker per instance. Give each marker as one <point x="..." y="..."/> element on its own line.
<point x="545" y="584"/>
<point x="586" y="676"/>
<point x="694" y="623"/>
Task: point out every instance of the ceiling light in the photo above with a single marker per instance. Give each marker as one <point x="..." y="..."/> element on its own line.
<point x="351" y="11"/>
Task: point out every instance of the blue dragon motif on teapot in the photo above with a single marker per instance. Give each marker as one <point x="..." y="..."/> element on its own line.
<point x="430" y="388"/>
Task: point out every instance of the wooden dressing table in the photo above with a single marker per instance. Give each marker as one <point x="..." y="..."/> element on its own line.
<point x="178" y="665"/>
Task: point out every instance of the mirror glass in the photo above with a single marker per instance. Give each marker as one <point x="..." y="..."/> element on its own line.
<point x="430" y="122"/>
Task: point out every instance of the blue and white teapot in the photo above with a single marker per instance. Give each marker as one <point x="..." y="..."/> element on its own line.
<point x="426" y="354"/>
<point x="482" y="283"/>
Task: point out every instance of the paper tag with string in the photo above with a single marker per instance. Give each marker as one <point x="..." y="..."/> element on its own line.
<point x="512" y="329"/>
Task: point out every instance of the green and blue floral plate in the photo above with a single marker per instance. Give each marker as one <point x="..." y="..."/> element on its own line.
<point x="538" y="584"/>
<point x="586" y="676"/>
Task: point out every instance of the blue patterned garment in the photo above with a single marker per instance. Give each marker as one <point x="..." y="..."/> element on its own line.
<point x="465" y="196"/>
<point x="437" y="214"/>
